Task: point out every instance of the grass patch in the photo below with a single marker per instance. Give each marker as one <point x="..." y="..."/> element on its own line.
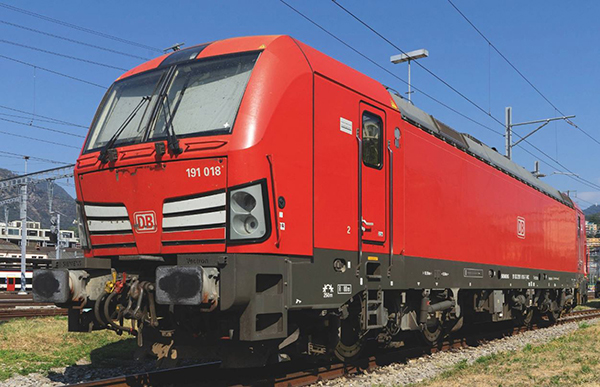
<point x="593" y="304"/>
<point x="571" y="360"/>
<point x="40" y="344"/>
<point x="461" y="365"/>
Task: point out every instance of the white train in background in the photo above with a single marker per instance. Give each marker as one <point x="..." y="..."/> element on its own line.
<point x="39" y="248"/>
<point x="10" y="269"/>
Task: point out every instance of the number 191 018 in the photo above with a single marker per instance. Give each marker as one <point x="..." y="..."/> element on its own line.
<point x="203" y="172"/>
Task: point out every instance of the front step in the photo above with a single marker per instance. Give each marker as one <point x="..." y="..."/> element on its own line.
<point x="373" y="310"/>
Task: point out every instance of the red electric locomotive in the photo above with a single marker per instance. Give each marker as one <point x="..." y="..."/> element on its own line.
<point x="254" y="199"/>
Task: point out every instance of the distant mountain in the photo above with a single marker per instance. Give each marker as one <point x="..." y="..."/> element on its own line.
<point x="37" y="205"/>
<point x="595" y="209"/>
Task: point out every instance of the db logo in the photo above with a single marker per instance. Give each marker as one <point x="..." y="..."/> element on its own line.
<point x="521" y="227"/>
<point x="145" y="221"/>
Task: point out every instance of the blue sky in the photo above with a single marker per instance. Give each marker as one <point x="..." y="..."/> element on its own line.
<point x="553" y="43"/>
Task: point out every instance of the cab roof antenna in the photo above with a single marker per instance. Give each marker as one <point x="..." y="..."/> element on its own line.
<point x="175" y="47"/>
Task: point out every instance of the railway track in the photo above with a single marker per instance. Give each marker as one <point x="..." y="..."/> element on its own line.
<point x="14" y="296"/>
<point x="210" y="374"/>
<point x="22" y="306"/>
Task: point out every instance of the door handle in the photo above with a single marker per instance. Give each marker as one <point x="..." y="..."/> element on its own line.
<point x="365" y="223"/>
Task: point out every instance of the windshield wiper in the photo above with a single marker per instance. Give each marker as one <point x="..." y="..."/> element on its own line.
<point x="172" y="140"/>
<point x="106" y="154"/>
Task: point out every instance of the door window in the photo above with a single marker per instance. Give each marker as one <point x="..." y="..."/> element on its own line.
<point x="371" y="140"/>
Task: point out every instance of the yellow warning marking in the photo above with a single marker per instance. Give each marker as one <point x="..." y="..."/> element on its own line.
<point x="262" y="46"/>
<point x="394" y="105"/>
<point x="373" y="259"/>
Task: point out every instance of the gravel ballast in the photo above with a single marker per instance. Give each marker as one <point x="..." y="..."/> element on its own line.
<point x="430" y="366"/>
<point x="76" y="374"/>
<point x="414" y="371"/>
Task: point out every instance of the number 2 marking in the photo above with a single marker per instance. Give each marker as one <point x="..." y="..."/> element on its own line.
<point x="348" y="229"/>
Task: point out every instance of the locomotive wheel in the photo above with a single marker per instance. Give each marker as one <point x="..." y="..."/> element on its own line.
<point x="350" y="343"/>
<point x="432" y="332"/>
<point x="553" y="316"/>
<point x="528" y="317"/>
<point x="347" y="353"/>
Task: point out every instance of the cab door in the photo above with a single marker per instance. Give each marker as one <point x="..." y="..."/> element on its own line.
<point x="372" y="174"/>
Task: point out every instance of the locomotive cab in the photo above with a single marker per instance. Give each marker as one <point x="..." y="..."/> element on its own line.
<point x="177" y="197"/>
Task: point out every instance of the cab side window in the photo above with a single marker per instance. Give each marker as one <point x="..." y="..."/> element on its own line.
<point x="372" y="128"/>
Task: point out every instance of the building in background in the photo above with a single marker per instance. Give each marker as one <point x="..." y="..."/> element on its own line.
<point x="36" y="235"/>
<point x="591" y="229"/>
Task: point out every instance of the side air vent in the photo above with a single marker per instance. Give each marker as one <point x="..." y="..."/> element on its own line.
<point x="109" y="226"/>
<point x="107" y="219"/>
<point x="196" y="213"/>
<point x="197" y="220"/>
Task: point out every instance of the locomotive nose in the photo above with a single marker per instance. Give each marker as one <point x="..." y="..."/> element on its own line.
<point x="156" y="209"/>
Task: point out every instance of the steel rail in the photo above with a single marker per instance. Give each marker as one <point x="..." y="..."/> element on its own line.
<point x="22" y="306"/>
<point x="210" y="373"/>
<point x="12" y="313"/>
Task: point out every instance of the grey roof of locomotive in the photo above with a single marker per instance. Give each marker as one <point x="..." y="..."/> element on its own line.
<point x="475" y="148"/>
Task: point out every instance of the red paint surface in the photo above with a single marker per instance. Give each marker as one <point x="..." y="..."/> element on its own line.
<point x="446" y="204"/>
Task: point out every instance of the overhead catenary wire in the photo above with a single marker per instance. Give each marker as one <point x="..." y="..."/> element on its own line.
<point x="40" y="140"/>
<point x="418" y="63"/>
<point x="585" y="201"/>
<point x="40" y="119"/>
<point x="565" y="169"/>
<point x="20" y="156"/>
<point x="42" y="128"/>
<point x="391" y="73"/>
<point x="52" y="71"/>
<point x="73" y="40"/>
<point x="589" y="183"/>
<point x="9" y="156"/>
<point x="579" y="179"/>
<point x="50" y="119"/>
<point x="62" y="55"/>
<point x="64" y="184"/>
<point x="573" y="176"/>
<point x="79" y="28"/>
<point x="520" y="73"/>
<point x="388" y="71"/>
<point x="32" y="117"/>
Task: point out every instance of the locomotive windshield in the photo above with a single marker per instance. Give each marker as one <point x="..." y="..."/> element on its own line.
<point x="196" y="98"/>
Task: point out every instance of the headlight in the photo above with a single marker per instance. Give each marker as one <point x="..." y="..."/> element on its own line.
<point x="247" y="219"/>
<point x="84" y="238"/>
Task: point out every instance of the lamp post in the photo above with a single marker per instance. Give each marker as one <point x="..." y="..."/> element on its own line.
<point x="407" y="57"/>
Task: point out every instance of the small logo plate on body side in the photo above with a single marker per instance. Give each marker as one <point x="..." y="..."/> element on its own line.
<point x="520" y="227"/>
